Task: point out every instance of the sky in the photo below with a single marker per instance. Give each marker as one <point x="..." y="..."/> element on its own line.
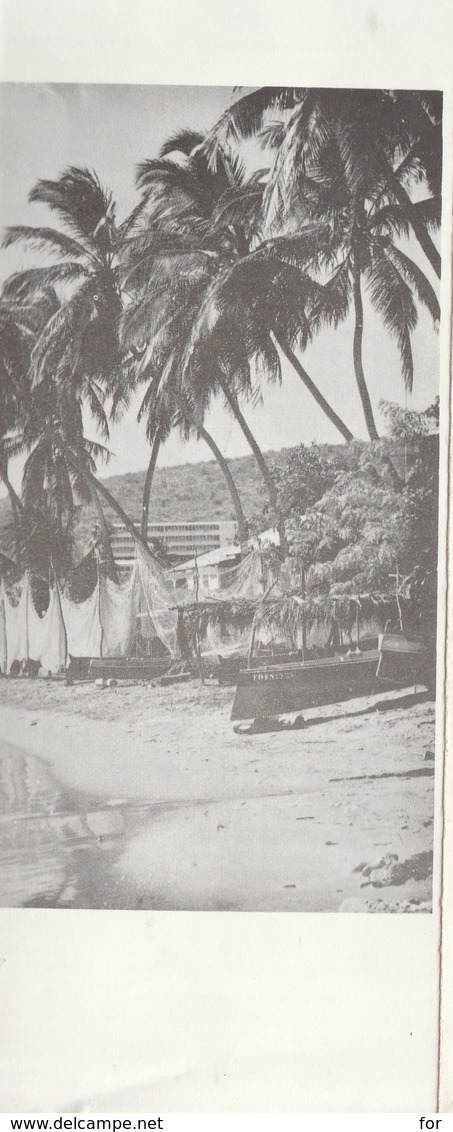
<point x="110" y="129"/>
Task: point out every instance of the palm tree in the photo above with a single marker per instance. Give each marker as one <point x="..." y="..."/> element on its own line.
<point x="77" y="350"/>
<point x="14" y="361"/>
<point x="228" y="224"/>
<point x="182" y="251"/>
<point x="167" y="260"/>
<point x="171" y="408"/>
<point x="391" y="139"/>
<point x="166" y="405"/>
<point x="345" y="162"/>
<point x="352" y="234"/>
<point x="20" y="323"/>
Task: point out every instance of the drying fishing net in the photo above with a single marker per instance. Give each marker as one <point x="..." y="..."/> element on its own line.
<point x="238" y="584"/>
<point x="118" y="609"/>
<point x="157" y="602"/>
<point x="232" y="640"/>
<point x="244" y="581"/>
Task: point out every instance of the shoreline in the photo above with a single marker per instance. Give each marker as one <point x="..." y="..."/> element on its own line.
<point x="290" y="821"/>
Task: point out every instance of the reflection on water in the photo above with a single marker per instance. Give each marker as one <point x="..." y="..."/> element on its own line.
<point x="57" y="847"/>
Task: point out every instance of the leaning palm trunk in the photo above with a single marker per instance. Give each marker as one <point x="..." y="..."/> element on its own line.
<point x="99" y="487"/>
<point x="265" y="471"/>
<point x="148" y="484"/>
<point x="358" y="364"/>
<point x="313" y="389"/>
<point x="17" y="511"/>
<point x="104" y="532"/>
<point x="417" y="225"/>
<point x="192" y="417"/>
<point x="224" y="467"/>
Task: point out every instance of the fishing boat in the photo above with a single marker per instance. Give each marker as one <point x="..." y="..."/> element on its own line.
<point x="128" y="668"/>
<point x="275" y="689"/>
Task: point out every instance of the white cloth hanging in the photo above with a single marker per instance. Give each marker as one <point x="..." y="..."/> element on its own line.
<point x="46" y="635"/>
<point x="16" y="625"/>
<point x="83" y="625"/>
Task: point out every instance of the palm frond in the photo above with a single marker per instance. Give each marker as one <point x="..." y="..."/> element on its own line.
<point x="392" y="298"/>
<point x="24" y="285"/>
<point x="238" y="208"/>
<point x="267" y="362"/>
<point x="416" y="279"/>
<point x="429" y="211"/>
<point x="46" y="239"/>
<point x="169" y="174"/>
<point x="61" y="331"/>
<point x="127" y="226"/>
<point x="272" y="135"/>
<point x="97" y="409"/>
<point x="182" y="141"/>
<point x="79" y="198"/>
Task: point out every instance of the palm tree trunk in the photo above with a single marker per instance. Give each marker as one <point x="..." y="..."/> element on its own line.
<point x="358" y="364"/>
<point x="148" y="483"/>
<point x="105" y="532"/>
<point x="423" y="236"/>
<point x="265" y="471"/>
<point x="17" y="510"/>
<point x="313" y="389"/>
<point x="110" y="499"/>
<point x="223" y="465"/>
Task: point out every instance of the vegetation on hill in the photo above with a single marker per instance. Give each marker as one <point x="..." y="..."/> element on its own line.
<point x="183" y="492"/>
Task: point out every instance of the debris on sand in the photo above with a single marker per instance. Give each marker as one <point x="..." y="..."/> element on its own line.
<point x="391" y="871"/>
<point x="399" y="906"/>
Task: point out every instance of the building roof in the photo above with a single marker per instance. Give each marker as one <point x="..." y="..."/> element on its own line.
<point x="189" y="523"/>
<point x="211" y="558"/>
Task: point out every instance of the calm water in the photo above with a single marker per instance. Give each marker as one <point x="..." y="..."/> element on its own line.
<point x="57" y="848"/>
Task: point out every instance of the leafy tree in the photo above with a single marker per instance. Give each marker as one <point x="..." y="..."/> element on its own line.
<point x="365" y="537"/>
<point x="305" y="477"/>
<point x="406" y="423"/>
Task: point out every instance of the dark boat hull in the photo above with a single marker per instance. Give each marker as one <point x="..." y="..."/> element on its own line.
<point x="127" y="668"/>
<point x="279" y="689"/>
<point x="274" y="690"/>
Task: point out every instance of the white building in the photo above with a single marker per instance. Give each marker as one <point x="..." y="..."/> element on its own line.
<point x="182" y="540"/>
<point x="205" y="570"/>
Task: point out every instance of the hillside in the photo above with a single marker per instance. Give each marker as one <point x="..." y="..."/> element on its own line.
<point x="194" y="491"/>
<point x="186" y="491"/>
<point x="198" y="491"/>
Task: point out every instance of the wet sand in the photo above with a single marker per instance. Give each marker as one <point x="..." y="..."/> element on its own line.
<point x="165" y="807"/>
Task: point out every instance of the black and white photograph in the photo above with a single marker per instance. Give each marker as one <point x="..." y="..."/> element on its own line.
<point x="221" y="417"/>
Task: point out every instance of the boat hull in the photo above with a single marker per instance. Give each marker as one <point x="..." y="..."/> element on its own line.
<point x="127" y="668"/>
<point x="275" y="689"/>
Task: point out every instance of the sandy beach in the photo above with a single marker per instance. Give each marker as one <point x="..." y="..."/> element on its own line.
<point x="338" y="817"/>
